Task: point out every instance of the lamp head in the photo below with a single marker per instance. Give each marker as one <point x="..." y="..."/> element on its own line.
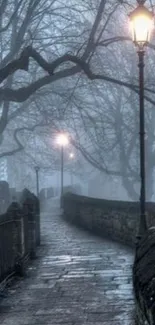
<point x="62" y="139"/>
<point x="71" y="155"/>
<point x="141" y="20"/>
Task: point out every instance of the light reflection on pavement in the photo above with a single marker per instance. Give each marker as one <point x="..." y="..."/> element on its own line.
<point x="78" y="279"/>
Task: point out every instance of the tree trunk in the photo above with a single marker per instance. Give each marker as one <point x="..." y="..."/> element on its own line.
<point x="132" y="193"/>
<point x="149" y="184"/>
<point x="129" y="187"/>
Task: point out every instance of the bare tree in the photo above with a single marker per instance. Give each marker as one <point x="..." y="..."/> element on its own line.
<point x="44" y="43"/>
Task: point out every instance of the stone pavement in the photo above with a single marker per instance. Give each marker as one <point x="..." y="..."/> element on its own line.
<point x="77" y="279"/>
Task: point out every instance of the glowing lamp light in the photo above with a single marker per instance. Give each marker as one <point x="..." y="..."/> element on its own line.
<point x="71" y="155"/>
<point x="62" y="139"/>
<point x="141" y="20"/>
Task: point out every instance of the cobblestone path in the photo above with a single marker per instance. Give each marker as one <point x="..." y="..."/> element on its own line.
<point x="77" y="279"/>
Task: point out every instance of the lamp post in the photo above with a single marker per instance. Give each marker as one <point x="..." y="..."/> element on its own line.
<point x="71" y="156"/>
<point x="62" y="141"/>
<point x="141" y="25"/>
<point x="37" y="168"/>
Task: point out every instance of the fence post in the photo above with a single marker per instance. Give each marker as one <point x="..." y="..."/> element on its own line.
<point x="32" y="223"/>
<point x="37" y="217"/>
<point x="19" y="242"/>
<point x="29" y="209"/>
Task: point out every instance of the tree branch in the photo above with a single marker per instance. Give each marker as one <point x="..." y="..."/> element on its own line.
<point x="20" y="146"/>
<point x="23" y="93"/>
<point x="3" y="29"/>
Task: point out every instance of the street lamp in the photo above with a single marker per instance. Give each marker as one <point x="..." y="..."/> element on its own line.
<point x="71" y="156"/>
<point x="141" y="25"/>
<point x="62" y="141"/>
<point x="37" y="168"/>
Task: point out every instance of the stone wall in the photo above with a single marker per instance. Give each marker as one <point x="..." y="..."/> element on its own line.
<point x="144" y="279"/>
<point x="118" y="220"/>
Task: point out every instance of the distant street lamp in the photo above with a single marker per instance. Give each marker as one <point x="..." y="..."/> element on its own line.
<point x="141" y="24"/>
<point x="71" y="156"/>
<point x="37" y="168"/>
<point x="62" y="141"/>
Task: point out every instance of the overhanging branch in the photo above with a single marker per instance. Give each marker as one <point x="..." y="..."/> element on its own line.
<point x="23" y="93"/>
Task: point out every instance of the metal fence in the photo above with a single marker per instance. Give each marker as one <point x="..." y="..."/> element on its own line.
<point x="7" y="246"/>
<point x="19" y="233"/>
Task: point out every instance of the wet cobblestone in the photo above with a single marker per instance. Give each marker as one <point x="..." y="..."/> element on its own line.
<point x="77" y="279"/>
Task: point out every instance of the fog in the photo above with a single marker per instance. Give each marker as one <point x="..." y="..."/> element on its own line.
<point x="85" y="180"/>
<point x="72" y="68"/>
